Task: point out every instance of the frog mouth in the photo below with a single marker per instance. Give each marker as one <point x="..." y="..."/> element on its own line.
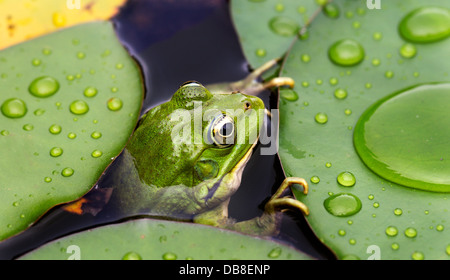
<point x="237" y="174"/>
<point x="243" y="161"/>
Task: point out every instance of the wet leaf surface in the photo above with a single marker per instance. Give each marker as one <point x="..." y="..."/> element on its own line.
<point x="349" y="63"/>
<point x="69" y="102"/>
<point x="148" y="239"/>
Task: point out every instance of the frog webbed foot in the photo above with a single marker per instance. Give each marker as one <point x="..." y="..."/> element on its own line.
<point x="278" y="202"/>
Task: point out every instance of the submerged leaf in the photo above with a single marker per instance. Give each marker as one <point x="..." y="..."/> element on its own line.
<point x="58" y="130"/>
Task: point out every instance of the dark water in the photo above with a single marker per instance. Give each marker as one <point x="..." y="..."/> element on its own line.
<point x="175" y="41"/>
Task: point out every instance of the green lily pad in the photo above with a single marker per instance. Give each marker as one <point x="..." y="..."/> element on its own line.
<point x="268" y="28"/>
<point x="375" y="191"/>
<point x="69" y="102"/>
<point x="149" y="239"/>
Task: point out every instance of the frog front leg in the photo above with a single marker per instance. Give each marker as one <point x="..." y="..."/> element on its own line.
<point x="269" y="222"/>
<point x="250" y="84"/>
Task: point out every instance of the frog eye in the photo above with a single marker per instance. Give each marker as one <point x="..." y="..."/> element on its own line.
<point x="222" y="131"/>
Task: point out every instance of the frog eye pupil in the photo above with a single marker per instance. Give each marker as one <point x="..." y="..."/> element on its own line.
<point x="226" y="129"/>
<point x="222" y="131"/>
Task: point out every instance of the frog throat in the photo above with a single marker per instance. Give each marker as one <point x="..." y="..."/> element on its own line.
<point x="232" y="178"/>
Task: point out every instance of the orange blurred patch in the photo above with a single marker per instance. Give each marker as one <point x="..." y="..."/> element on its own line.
<point x="21" y="20"/>
<point x="76" y="206"/>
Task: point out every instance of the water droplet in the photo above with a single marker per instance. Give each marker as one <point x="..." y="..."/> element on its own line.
<point x="376" y="205"/>
<point x="371" y="196"/>
<point x="131" y="256"/>
<point x="39" y="112"/>
<point x="447" y="250"/>
<point x="418" y="256"/>
<point x="346" y="52"/>
<point x="279" y="7"/>
<point x="47" y="51"/>
<point x="376" y="62"/>
<point x="306" y="58"/>
<point x="275" y="253"/>
<point x="391" y="231"/>
<point x="43" y="87"/>
<point x="169" y="256"/>
<point x="389" y="74"/>
<point x="115" y="104"/>
<point x="400" y="147"/>
<point x="377" y="36"/>
<point x="395" y="246"/>
<point x="36" y="62"/>
<point x="346" y="179"/>
<point x="408" y="50"/>
<point x="56" y="152"/>
<point x="356" y="24"/>
<point x="340" y="93"/>
<point x="315" y="179"/>
<point x="14" y="108"/>
<point x="288" y="94"/>
<point x="71" y="135"/>
<point x="321" y="118"/>
<point x="96" y="135"/>
<point x="114" y="89"/>
<point x="410" y="232"/>
<point x="440" y="227"/>
<point x="119" y="66"/>
<point x="349" y="14"/>
<point x="58" y="19"/>
<point x="90" y="92"/>
<point x="343" y="204"/>
<point x="328" y="164"/>
<point x="352" y="241"/>
<point x="333" y="81"/>
<point x="260" y="52"/>
<point x="79" y="107"/>
<point x="348" y="112"/>
<point x="47" y="179"/>
<point x="331" y="10"/>
<point x="96" y="154"/>
<point x="81" y="55"/>
<point x="15" y="204"/>
<point x="425" y="25"/>
<point x="67" y="172"/>
<point x="398" y="212"/>
<point x="284" y="26"/>
<point x="342" y="232"/>
<point x="28" y="127"/>
<point x="55" y="129"/>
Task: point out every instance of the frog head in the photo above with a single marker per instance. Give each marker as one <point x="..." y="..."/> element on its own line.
<point x="195" y="137"/>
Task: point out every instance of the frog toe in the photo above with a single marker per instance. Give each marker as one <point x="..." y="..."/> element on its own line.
<point x="279" y="202"/>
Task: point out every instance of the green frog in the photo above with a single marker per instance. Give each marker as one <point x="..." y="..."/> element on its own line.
<point x="186" y="157"/>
